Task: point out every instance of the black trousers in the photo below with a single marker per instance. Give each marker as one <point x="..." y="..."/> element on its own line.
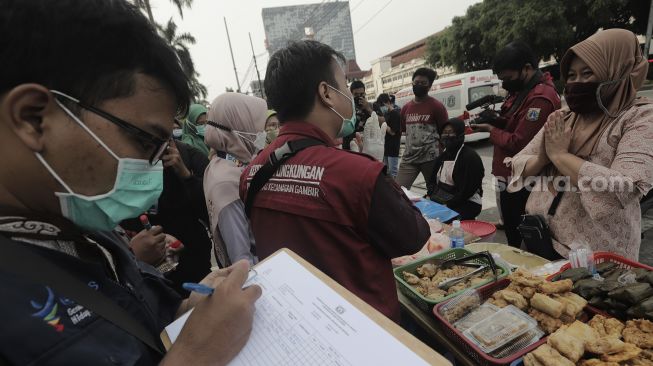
<point x="468" y="210"/>
<point x="513" y="206"/>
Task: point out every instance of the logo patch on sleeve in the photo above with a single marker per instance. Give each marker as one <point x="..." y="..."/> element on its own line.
<point x="533" y="114"/>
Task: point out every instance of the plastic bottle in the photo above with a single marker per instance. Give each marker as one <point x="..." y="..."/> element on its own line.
<point x="457" y="235"/>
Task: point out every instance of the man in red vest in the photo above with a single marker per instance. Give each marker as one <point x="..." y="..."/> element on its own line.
<point x="532" y="98"/>
<point x="337" y="209"/>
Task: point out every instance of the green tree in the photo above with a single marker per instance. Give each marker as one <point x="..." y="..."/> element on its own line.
<point x="180" y="43"/>
<point x="147" y="7"/>
<point x="550" y="28"/>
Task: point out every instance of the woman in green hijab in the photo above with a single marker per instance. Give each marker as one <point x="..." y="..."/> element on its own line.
<point x="193" y="130"/>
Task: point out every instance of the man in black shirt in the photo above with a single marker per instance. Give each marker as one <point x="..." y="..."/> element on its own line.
<point x="392" y="134"/>
<point x="88" y="95"/>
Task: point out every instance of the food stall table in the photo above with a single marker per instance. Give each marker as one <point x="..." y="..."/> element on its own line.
<point x="428" y="322"/>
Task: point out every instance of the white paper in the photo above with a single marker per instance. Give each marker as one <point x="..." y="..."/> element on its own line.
<point x="299" y="320"/>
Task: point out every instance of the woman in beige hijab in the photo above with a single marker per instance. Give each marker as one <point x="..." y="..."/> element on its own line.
<point x="236" y="123"/>
<point x="601" y="147"/>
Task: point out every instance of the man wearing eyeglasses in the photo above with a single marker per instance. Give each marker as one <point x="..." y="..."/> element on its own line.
<point x="88" y="95"/>
<point x="420" y="119"/>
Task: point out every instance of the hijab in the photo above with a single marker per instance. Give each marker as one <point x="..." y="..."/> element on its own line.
<point x="235" y="112"/>
<point x="189" y="130"/>
<point x="614" y="56"/>
<point x="450" y="151"/>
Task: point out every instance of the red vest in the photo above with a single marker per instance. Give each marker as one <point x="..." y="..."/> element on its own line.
<point x="317" y="205"/>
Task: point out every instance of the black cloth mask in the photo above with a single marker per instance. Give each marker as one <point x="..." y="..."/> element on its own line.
<point x="581" y="97"/>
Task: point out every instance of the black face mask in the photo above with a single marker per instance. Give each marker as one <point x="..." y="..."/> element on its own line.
<point x="513" y="86"/>
<point x="452" y="143"/>
<point x="420" y="91"/>
<point x="581" y="97"/>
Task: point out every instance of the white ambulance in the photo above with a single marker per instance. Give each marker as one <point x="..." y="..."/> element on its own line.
<point x="457" y="91"/>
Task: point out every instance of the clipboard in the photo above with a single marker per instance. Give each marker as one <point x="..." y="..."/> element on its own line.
<point x="416" y="346"/>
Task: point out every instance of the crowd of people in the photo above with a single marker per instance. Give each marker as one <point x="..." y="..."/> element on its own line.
<point x="109" y="165"/>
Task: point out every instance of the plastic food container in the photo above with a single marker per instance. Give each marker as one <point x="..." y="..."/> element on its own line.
<point x="476" y="316"/>
<point x="500" y="328"/>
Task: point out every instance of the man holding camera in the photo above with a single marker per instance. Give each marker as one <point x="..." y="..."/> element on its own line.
<point x="363" y="112"/>
<point x="532" y="97"/>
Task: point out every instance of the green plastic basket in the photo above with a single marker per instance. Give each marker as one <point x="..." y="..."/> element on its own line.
<point x="427" y="304"/>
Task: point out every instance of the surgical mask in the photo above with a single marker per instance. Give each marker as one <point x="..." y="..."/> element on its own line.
<point x="200" y="130"/>
<point x="137" y="187"/>
<point x="581" y="97"/>
<point x="257" y="139"/>
<point x="177" y="132"/>
<point x="513" y="86"/>
<point x="384" y="109"/>
<point x="348" y="124"/>
<point x="421" y="91"/>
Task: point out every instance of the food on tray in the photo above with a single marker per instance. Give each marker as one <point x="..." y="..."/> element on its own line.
<point x="530" y="360"/>
<point x="597" y="362"/>
<point x="556" y="287"/>
<point x="568" y="345"/>
<point x="610" y="327"/>
<point x="500" y="328"/>
<point x="629" y="352"/>
<point x="605" y="346"/>
<point x="639" y="332"/>
<point x="587" y="288"/>
<point x="547" y="305"/>
<point x="428" y="277"/>
<point x="525" y="278"/>
<point x="549" y="356"/>
<point x="632" y="293"/>
<point x="572" y="303"/>
<point x="511" y="297"/>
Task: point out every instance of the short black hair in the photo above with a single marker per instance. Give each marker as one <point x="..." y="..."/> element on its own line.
<point x="89" y="49"/>
<point x="514" y="56"/>
<point x="392" y="98"/>
<point x="383" y="98"/>
<point x="428" y="73"/>
<point x="293" y="75"/>
<point x="356" y="84"/>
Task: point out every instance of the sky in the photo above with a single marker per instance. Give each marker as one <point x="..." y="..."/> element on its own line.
<point x="400" y="23"/>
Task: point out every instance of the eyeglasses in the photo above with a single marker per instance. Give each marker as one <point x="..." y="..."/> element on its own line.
<point x="421" y="83"/>
<point x="160" y="144"/>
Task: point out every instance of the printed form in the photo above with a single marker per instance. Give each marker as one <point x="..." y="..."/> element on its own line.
<point x="300" y="320"/>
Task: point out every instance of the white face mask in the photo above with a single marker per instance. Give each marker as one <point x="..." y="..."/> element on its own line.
<point x="257" y="139"/>
<point x="177" y="132"/>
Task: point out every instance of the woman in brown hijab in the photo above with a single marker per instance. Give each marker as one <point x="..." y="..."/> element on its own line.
<point x="601" y="147"/>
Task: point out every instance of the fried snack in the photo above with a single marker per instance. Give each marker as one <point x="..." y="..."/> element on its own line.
<point x="427" y="270"/>
<point x="635" y="333"/>
<point x="525" y="278"/>
<point x="571" y="308"/>
<point x="638" y="362"/>
<point x="513" y="298"/>
<point x="629" y="352"/>
<point x="457" y="288"/>
<point x="476" y="281"/>
<point x="596" y="362"/>
<point x="555" y="287"/>
<point x="434" y="293"/>
<point x="569" y="346"/>
<point x="582" y="331"/>
<point x="500" y="303"/>
<point x="605" y="346"/>
<point x="547" y="305"/>
<point x="607" y="326"/>
<point x="410" y="278"/>
<point x="578" y="300"/>
<point x="546" y="322"/>
<point x="548" y="356"/>
<point x="530" y="360"/>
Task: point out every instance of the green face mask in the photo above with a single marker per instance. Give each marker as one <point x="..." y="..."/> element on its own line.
<point x="137" y="187"/>
<point x="200" y="129"/>
<point x="348" y="125"/>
